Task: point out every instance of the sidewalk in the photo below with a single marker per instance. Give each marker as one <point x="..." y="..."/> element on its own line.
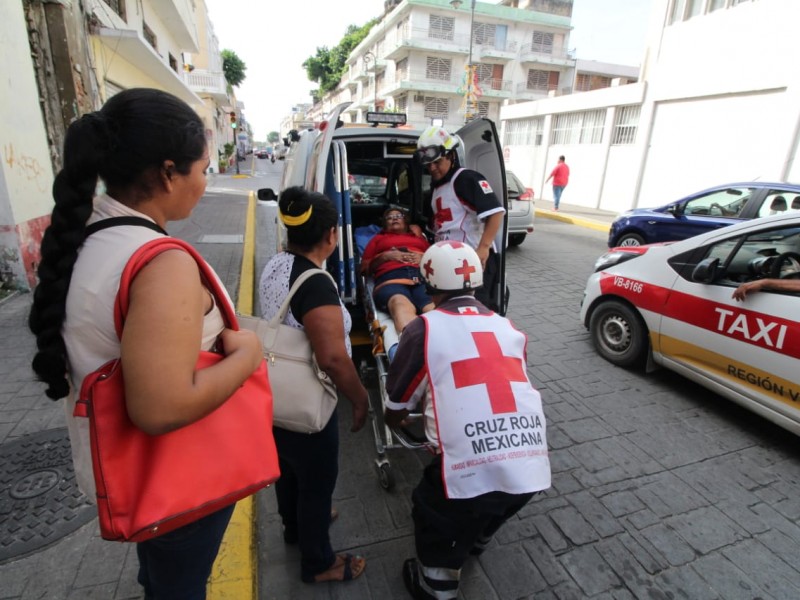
<point x="49" y="539"/>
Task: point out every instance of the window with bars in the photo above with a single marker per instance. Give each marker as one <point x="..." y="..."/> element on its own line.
<point x="586" y="82"/>
<point x="542" y="80"/>
<point x="482" y="109"/>
<point x="118" y="6"/>
<point x="149" y="36"/>
<point x="438" y="68"/>
<point x="401" y="70"/>
<point x="542" y="42"/>
<point x="173" y="62"/>
<point x="441" y="28"/>
<point x="490" y="76"/>
<point x="401" y="103"/>
<point x="436" y="108"/>
<point x="524" y="132"/>
<point x="584" y="127"/>
<point x="626" y="123"/>
<point x="694" y="8"/>
<point x="484" y="34"/>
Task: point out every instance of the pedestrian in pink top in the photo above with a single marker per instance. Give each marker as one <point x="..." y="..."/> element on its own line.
<point x="560" y="177"/>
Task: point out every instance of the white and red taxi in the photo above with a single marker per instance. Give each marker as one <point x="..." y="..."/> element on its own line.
<point x="671" y="305"/>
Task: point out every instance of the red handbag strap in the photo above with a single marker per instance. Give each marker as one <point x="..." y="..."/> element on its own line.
<point x="148" y="252"/>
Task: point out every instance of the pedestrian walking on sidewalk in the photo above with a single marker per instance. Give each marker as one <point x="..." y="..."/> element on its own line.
<point x="463" y="368"/>
<point x="560" y="177"/>
<point x="149" y="150"/>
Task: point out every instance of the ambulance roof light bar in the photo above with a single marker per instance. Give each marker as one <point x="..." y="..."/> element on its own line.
<point x="386" y="118"/>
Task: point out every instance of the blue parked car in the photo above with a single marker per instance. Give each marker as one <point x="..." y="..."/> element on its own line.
<point x="712" y="208"/>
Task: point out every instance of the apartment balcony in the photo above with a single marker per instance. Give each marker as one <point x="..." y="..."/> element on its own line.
<point x="496" y="50"/>
<point x="134" y="49"/>
<point x="420" y="82"/>
<point x="208" y="83"/>
<point x="178" y="18"/>
<point x="410" y="39"/>
<point x="496" y="88"/>
<point x="553" y="56"/>
<point x="523" y="92"/>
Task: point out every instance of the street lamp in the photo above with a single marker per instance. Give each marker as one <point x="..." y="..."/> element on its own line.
<point x="369" y="57"/>
<point x="468" y="113"/>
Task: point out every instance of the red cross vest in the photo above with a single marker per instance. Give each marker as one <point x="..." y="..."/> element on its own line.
<point x="452" y="219"/>
<point x="489" y="417"/>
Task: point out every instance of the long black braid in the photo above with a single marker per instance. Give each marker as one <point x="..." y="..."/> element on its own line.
<point x="122" y="144"/>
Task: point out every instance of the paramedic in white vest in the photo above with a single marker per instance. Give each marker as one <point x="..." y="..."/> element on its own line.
<point x="464" y="206"/>
<point x="463" y="367"/>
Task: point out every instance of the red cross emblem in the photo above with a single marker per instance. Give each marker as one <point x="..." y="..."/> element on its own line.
<point x="466" y="270"/>
<point x="428" y="269"/>
<point x="492" y="369"/>
<point x="442" y="215"/>
<point x="487" y="189"/>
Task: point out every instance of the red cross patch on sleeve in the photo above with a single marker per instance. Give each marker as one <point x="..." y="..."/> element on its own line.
<point x="487" y="189"/>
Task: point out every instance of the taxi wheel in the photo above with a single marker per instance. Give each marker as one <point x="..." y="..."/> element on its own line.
<point x="619" y="334"/>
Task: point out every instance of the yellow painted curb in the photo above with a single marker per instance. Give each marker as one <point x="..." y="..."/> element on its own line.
<point x="240" y="176"/>
<point x="235" y="572"/>
<point x="558" y="216"/>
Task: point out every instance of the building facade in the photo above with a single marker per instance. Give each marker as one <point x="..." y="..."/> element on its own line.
<point x="446" y="62"/>
<point x="708" y="109"/>
<point x="70" y="57"/>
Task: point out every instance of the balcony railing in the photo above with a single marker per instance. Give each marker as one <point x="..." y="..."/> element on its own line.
<point x="208" y="83"/>
<point x="551" y="55"/>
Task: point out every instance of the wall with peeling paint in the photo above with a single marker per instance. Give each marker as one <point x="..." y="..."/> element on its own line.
<point x="26" y="172"/>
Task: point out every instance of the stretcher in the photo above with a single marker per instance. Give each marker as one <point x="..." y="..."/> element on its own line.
<point x="384" y="336"/>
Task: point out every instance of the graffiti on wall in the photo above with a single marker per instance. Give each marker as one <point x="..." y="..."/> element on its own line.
<point x="28" y="166"/>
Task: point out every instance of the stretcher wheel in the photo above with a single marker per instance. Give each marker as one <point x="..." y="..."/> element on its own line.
<point x="385" y="475"/>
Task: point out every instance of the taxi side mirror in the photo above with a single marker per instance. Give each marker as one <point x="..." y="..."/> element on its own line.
<point x="707" y="271"/>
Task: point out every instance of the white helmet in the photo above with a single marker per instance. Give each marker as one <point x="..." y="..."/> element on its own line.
<point x="450" y="267"/>
<point x="434" y="143"/>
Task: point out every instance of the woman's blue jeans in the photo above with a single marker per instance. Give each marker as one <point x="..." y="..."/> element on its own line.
<point x="177" y="565"/>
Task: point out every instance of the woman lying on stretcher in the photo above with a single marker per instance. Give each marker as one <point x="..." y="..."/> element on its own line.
<point x="392" y="258"/>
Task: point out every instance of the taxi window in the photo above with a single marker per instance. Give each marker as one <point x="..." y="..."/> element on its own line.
<point x="755" y="256"/>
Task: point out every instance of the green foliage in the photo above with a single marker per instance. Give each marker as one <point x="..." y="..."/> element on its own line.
<point x="233" y="67"/>
<point x="228" y="151"/>
<point x="328" y="65"/>
<point x="273" y="137"/>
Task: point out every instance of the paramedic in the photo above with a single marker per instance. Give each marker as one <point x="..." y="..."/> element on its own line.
<point x="392" y="258"/>
<point x="464" y="206"/>
<point x="463" y="367"/>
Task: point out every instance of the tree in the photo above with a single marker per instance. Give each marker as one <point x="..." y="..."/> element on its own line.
<point x="328" y="65"/>
<point x="233" y="67"/>
<point x="273" y="137"/>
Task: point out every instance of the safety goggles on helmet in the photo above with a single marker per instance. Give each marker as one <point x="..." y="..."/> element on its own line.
<point x="430" y="154"/>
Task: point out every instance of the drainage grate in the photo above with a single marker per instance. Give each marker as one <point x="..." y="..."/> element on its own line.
<point x="39" y="499"/>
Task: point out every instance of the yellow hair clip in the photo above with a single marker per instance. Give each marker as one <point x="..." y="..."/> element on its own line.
<point x="291" y="221"/>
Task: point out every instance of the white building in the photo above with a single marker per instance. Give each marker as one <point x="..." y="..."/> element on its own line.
<point x="718" y="100"/>
<point x="416" y="60"/>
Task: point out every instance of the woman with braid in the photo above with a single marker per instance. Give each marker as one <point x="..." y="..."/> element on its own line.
<point x="148" y="149"/>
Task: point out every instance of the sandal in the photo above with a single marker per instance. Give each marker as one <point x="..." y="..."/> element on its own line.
<point x="346" y="567"/>
<point x="411" y="579"/>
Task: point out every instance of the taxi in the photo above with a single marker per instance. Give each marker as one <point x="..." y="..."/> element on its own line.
<point x="671" y="305"/>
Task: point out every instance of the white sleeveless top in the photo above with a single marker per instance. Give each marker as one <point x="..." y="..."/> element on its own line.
<point x="489" y="417"/>
<point x="88" y="329"/>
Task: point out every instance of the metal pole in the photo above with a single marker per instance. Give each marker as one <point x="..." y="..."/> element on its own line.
<point x="470" y="73"/>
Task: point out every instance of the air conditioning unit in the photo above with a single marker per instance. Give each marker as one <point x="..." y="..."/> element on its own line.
<point x="419" y="98"/>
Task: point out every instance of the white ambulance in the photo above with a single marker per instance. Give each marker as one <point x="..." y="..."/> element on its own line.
<point x="365" y="169"/>
<point x="672" y="305"/>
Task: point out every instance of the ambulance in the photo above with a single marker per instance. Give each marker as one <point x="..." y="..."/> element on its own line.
<point x="670" y="305"/>
<point x="365" y="169"/>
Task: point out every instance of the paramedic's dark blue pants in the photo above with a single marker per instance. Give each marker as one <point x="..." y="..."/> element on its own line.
<point x="446" y="531"/>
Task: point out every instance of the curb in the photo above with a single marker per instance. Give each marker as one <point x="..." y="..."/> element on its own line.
<point x="566" y="218"/>
<point x="235" y="572"/>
